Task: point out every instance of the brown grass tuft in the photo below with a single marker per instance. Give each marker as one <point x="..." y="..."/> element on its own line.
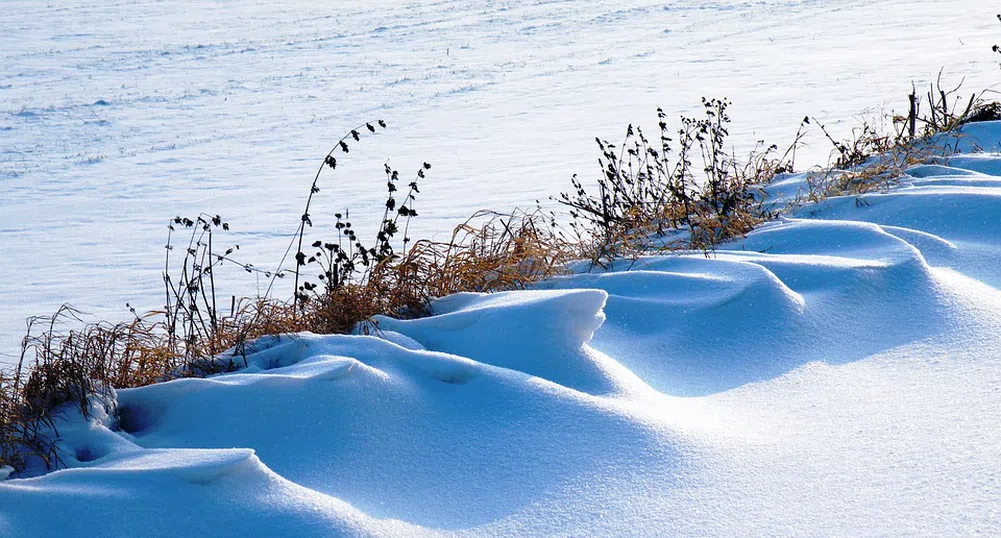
<point x="489" y="252"/>
<point x="873" y="159"/>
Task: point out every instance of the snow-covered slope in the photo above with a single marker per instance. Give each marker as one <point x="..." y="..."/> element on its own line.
<point x="834" y="373"/>
<point x="116" y="116"/>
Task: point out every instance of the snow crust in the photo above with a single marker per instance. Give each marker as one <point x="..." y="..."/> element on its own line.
<point x="834" y="373"/>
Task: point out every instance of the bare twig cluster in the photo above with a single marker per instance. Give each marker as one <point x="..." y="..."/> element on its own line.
<point x="873" y="159"/>
<point x="686" y="185"/>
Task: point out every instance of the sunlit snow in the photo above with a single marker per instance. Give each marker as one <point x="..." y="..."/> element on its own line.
<point x="833" y="373"/>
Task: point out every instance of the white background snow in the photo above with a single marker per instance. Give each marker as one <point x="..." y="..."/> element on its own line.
<point x="115" y="116"/>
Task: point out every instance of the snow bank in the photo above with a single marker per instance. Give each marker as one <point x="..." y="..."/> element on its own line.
<point x="834" y="372"/>
<point x="542" y="333"/>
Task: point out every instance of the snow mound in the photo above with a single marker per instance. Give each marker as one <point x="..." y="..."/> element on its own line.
<point x="431" y="438"/>
<point x="169" y="493"/>
<point x="542" y="333"/>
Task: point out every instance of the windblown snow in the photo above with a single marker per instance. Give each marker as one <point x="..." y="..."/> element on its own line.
<point x="834" y="373"/>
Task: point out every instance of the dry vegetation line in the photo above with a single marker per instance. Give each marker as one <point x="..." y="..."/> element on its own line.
<point x="682" y="192"/>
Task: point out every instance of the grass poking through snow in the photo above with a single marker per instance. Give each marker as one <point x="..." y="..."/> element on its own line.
<point x="683" y="191"/>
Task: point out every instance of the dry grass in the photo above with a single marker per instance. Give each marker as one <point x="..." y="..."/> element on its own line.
<point x="489" y="252"/>
<point x="873" y="159"/>
<point x="76" y="367"/>
<point x="877" y="163"/>
<point x="649" y="191"/>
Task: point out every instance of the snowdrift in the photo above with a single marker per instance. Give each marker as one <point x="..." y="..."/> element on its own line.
<point x="833" y="373"/>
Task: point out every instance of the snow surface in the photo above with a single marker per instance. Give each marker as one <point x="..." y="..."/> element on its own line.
<point x="116" y="116"/>
<point x="834" y="373"/>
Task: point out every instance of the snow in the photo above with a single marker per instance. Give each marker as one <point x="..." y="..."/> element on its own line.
<point x="833" y="373"/>
<point x="118" y="116"/>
